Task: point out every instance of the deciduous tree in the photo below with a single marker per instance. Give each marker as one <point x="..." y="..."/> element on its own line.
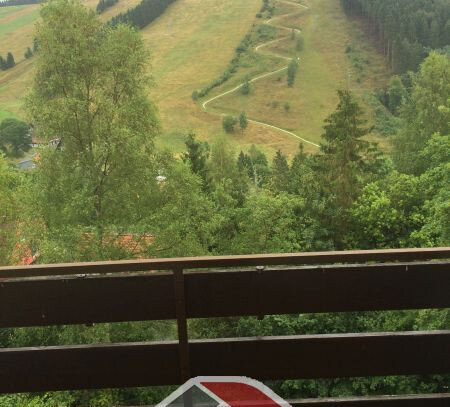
<point x="95" y="100"/>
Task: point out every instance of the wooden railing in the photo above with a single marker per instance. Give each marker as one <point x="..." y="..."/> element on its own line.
<point x="241" y="286"/>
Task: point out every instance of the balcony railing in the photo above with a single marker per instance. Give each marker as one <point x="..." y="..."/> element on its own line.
<point x="83" y="293"/>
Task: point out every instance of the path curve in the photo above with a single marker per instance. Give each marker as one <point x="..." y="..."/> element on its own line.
<point x="265" y="75"/>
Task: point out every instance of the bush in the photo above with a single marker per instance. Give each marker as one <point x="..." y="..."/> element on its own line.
<point x="229" y="122"/>
<point x="300" y="43"/>
<point x="28" y="53"/>
<point x="245" y="90"/>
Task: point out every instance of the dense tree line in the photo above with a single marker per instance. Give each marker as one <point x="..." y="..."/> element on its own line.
<point x="257" y="34"/>
<point x="7" y="3"/>
<point x="214" y="200"/>
<point x="406" y="29"/>
<point x="143" y="14"/>
<point x="104" y="4"/>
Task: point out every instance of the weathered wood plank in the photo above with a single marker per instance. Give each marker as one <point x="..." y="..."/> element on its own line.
<point x="72" y="300"/>
<point x="324" y="356"/>
<point x="319" y="289"/>
<point x="417" y="400"/>
<point x="355" y="256"/>
<point x="431" y="400"/>
<point x="42" y="302"/>
<point x="146" y="364"/>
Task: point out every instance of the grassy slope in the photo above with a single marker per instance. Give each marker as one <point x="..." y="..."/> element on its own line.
<point x="16" y="29"/>
<point x="191" y="44"/>
<point x="16" y="34"/>
<point x="324" y="68"/>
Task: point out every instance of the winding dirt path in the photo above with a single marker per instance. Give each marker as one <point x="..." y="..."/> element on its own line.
<point x="265" y="75"/>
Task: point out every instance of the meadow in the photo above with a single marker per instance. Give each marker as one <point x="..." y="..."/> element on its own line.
<point x="16" y="34"/>
<point x="193" y="43"/>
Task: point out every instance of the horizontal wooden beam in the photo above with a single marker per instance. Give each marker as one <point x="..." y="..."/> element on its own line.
<point x="324" y="356"/>
<point x="148" y="364"/>
<point x="418" y="400"/>
<point x="354" y="256"/>
<point x="150" y="296"/>
<point x="319" y="289"/>
<point x="72" y="300"/>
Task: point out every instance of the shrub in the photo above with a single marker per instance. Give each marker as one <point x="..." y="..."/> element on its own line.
<point x="229" y="122"/>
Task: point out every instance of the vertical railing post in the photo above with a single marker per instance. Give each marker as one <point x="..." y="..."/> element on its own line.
<point x="259" y="282"/>
<point x="183" y="339"/>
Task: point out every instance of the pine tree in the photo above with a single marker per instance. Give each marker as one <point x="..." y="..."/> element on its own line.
<point x="196" y="157"/>
<point x="10" y="63"/>
<point x="343" y="159"/>
<point x="292" y="72"/>
<point x="280" y="173"/>
<point x="243" y="121"/>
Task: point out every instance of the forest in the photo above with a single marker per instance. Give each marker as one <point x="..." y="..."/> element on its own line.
<point x="108" y="177"/>
<point x="7" y="3"/>
<point x="406" y="29"/>
<point x="143" y="14"/>
<point x="104" y="4"/>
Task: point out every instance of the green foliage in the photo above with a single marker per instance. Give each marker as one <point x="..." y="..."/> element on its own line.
<point x="8" y="62"/>
<point x="406" y="29"/>
<point x="245" y="89"/>
<point x="35" y="44"/>
<point x="345" y="161"/>
<point x="143" y="14"/>
<point x="386" y="123"/>
<point x="37" y="401"/>
<point x="388" y="212"/>
<point x="255" y="164"/>
<point x="292" y="72"/>
<point x="243" y="121"/>
<point x="9" y="183"/>
<point x="28" y="53"/>
<point x="96" y="102"/>
<point x="279" y="181"/>
<point x="105" y="4"/>
<point x="15" y="138"/>
<point x="300" y="44"/>
<point x="425" y="114"/>
<point x="229" y="123"/>
<point x="196" y="157"/>
<point x="397" y="94"/>
<point x="267" y="225"/>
